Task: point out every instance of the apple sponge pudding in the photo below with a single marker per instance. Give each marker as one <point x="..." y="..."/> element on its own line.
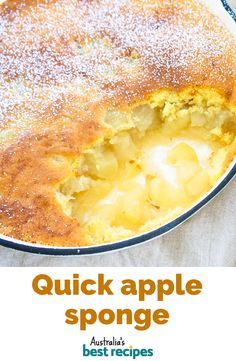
<point x="115" y="118"/>
<point x="156" y="160"/>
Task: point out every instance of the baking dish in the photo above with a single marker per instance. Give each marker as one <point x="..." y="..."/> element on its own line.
<point x="134" y="240"/>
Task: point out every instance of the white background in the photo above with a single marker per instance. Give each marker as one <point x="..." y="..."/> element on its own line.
<point x="32" y="327"/>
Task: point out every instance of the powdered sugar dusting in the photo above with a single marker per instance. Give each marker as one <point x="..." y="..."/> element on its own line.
<point x="81" y="52"/>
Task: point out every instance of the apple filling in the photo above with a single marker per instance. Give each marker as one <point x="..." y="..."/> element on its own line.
<point x="159" y="158"/>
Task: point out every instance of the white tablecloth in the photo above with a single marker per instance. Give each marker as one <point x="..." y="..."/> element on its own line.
<point x="208" y="239"/>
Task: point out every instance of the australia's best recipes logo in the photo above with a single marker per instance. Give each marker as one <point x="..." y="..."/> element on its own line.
<point x="113" y="347"/>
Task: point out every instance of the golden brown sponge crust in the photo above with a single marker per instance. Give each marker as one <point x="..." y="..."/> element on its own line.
<point x="63" y="63"/>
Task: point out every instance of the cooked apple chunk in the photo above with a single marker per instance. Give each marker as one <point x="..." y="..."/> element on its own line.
<point x="160" y="157"/>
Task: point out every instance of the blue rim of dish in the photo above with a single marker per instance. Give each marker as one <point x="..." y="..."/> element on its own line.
<point x="92" y="250"/>
<point x="229" y="9"/>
